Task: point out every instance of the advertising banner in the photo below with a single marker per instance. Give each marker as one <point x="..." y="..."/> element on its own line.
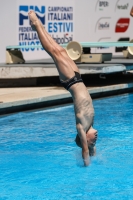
<point x="57" y="18"/>
<point x="105" y="21"/>
<point x="111" y="22"/>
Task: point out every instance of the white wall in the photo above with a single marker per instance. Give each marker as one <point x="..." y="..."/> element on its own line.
<point x="87" y="17"/>
<point x="7" y="25"/>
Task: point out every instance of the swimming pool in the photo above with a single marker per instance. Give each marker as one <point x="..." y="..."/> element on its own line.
<point x="40" y="161"/>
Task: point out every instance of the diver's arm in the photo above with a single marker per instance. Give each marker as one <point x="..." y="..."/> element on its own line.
<point x="85" y="150"/>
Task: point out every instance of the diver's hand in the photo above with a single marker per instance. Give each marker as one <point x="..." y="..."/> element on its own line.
<point x="86" y="158"/>
<point x="86" y="162"/>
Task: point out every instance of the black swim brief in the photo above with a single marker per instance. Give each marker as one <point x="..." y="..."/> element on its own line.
<point x="76" y="79"/>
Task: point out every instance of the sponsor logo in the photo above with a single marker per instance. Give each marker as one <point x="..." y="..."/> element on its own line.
<point x="122" y="7"/>
<point x="106" y="39"/>
<point x="101" y="5"/>
<point x="23" y="13"/>
<point x="104" y="26"/>
<point x="120" y="49"/>
<point x="122" y="25"/>
<point x="26" y="35"/>
<point x="64" y="39"/>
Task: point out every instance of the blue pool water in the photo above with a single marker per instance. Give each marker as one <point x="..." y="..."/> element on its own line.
<point x="39" y="159"/>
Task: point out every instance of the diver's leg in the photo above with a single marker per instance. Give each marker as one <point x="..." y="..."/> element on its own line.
<point x="64" y="64"/>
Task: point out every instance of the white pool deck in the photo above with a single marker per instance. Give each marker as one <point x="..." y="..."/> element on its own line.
<point x="18" y="99"/>
<point x="46" y="68"/>
<point x="15" y="99"/>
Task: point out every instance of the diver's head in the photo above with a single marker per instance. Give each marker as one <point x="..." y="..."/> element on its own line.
<point x="91" y="137"/>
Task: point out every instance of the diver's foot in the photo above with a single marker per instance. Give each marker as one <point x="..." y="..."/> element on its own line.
<point x="33" y="17"/>
<point x="34" y="21"/>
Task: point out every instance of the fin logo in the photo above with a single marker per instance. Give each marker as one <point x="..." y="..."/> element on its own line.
<point x="23" y="13"/>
